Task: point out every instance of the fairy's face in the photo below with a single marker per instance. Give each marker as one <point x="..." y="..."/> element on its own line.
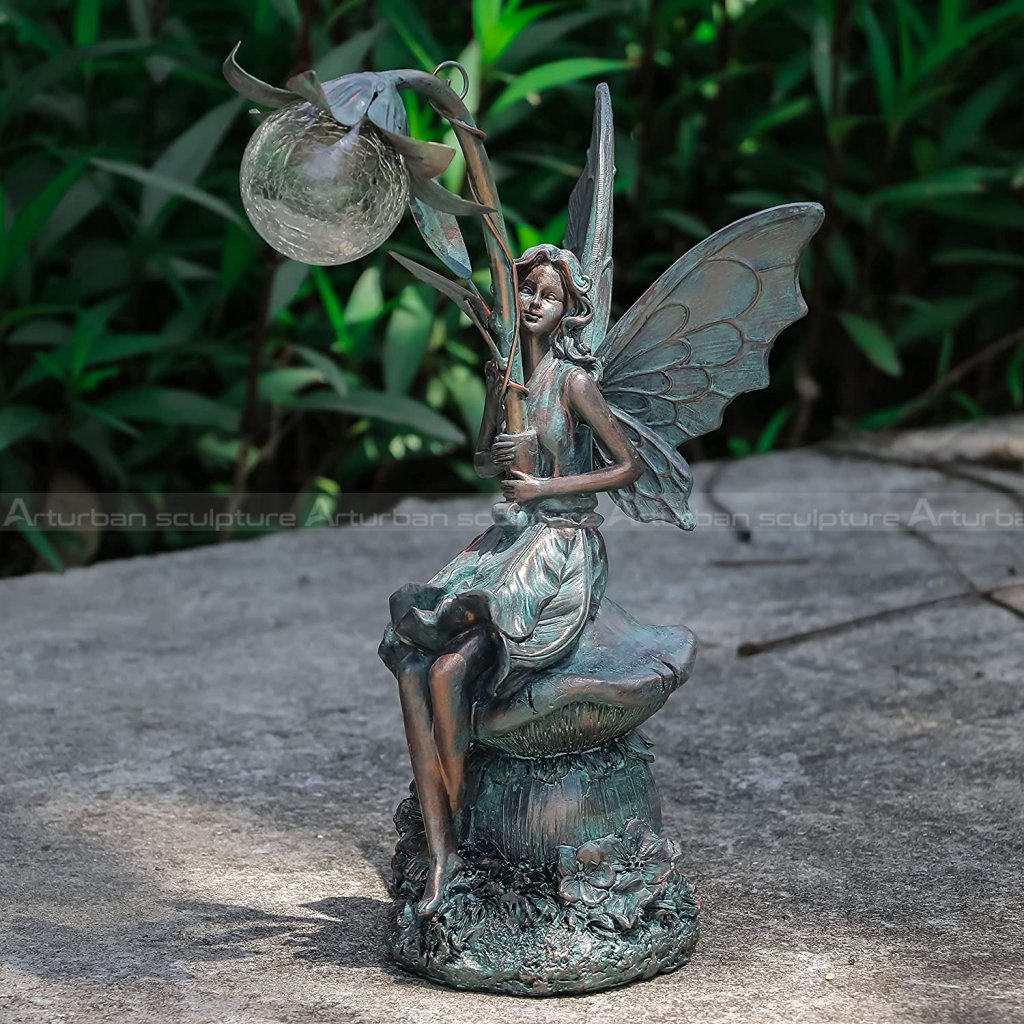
<point x="541" y="301"/>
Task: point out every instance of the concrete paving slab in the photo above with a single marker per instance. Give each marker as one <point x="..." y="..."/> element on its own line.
<point x="200" y="755"/>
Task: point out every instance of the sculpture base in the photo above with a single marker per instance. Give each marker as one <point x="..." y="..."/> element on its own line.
<point x="537" y="914"/>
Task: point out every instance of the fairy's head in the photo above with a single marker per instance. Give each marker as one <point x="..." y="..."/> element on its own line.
<point x="553" y="301"/>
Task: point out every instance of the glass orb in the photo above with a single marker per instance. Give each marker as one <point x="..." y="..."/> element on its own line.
<point x="319" y="192"/>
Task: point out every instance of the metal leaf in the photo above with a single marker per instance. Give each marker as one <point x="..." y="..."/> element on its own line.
<point x="252" y="88"/>
<point x="462" y="297"/>
<point x="442" y="233"/>
<point x="308" y="86"/>
<point x="350" y="96"/>
<point x="387" y="111"/>
<point x="441" y="199"/>
<point x="423" y="159"/>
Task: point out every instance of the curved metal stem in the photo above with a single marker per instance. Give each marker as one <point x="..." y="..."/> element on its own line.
<point x="481" y="180"/>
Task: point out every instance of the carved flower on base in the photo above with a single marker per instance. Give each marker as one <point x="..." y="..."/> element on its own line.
<point x="615" y="878"/>
<point x="639" y="851"/>
<point x="584" y="875"/>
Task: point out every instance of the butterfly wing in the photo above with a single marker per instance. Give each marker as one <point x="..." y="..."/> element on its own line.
<point x="697" y="338"/>
<point x="588" y="233"/>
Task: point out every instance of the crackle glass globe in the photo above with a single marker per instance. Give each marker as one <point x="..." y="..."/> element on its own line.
<point x="319" y="192"/>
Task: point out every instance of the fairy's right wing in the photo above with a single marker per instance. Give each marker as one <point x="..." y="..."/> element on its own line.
<point x="697" y="338"/>
<point x="589" y="230"/>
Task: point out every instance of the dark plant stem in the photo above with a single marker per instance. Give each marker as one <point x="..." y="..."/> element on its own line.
<point x="304" y="45"/>
<point x="805" y="382"/>
<point x="647" y="99"/>
<point x="716" y="115"/>
<point x="250" y="410"/>
<point x="979" y="361"/>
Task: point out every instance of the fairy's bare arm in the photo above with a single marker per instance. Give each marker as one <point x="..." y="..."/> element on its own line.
<point x="587" y="402"/>
<point x="493" y="453"/>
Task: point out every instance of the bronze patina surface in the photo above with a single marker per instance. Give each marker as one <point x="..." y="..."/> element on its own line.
<point x="531" y="859"/>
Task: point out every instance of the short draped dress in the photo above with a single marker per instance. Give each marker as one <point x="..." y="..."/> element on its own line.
<point x="537" y="576"/>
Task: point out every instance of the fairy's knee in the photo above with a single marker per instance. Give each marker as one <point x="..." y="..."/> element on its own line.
<point x="405" y="661"/>
<point x="448" y="669"/>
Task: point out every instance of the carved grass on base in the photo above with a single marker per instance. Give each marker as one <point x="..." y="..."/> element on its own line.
<point x="608" y="912"/>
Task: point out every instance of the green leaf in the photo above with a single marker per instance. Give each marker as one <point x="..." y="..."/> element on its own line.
<point x="469" y="393"/>
<point x="873" y="342"/>
<point x="933" y="318"/>
<point x="152" y="404"/>
<point x="18" y="421"/>
<point x="330" y="370"/>
<point x="112" y="348"/>
<point x="962" y="130"/>
<point x="187" y="157"/>
<point x="366" y="300"/>
<point x="81" y="199"/>
<point x="496" y="25"/>
<point x="284" y="286"/>
<point x="283" y="384"/>
<point x="539" y="37"/>
<point x="406" y="339"/>
<point x="690" y="225"/>
<point x="559" y="72"/>
<point x="333" y="308"/>
<point x="29" y="31"/>
<point x="170" y="185"/>
<point x="413" y="29"/>
<point x="968" y="404"/>
<point x="1015" y="377"/>
<point x="486" y="23"/>
<point x="842" y="260"/>
<point x="87" y="22"/>
<point x="955" y="181"/>
<point x="41" y="78"/>
<point x="781" y="114"/>
<point x="377" y="405"/>
<point x="769" y="437"/>
<point x="41" y="545"/>
<point x="821" y="62"/>
<point x="739" y="447"/>
<point x="35" y="213"/>
<point x="879" y="419"/>
<point x="108" y="419"/>
<point x="982" y="210"/>
<point x="881" y="63"/>
<point x="349" y="56"/>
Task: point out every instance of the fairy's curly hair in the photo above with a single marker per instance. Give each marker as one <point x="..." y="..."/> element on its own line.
<point x="566" y="339"/>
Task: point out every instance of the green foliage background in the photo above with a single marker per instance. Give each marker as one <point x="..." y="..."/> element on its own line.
<point x="150" y="343"/>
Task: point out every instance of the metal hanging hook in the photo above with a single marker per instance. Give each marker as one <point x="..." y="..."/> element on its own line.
<point x="462" y="71"/>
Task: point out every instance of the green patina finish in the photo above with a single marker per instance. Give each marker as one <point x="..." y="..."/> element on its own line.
<point x="534" y="916"/>
<point x="530" y="858"/>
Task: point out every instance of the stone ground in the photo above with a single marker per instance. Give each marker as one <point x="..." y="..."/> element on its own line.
<point x="200" y="755"/>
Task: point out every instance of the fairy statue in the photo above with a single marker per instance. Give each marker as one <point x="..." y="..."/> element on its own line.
<point x="531" y="859"/>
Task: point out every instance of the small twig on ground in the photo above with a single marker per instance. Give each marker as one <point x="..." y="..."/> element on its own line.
<point x="956" y="472"/>
<point x="748" y="648"/>
<point x="743" y="533"/>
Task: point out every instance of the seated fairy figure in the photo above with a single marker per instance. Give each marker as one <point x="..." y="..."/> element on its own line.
<point x="520" y="596"/>
<point x="513" y="643"/>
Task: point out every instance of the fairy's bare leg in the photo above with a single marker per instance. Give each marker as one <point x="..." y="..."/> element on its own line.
<point x="414" y="692"/>
<point x="451" y="679"/>
<point x="436" y="705"/>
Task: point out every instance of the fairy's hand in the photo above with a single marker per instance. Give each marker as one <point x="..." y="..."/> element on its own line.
<point x="520" y="486"/>
<point x="494" y="374"/>
<point x="504" y="450"/>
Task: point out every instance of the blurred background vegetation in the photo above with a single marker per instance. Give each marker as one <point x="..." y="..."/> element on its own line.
<point x="150" y="343"/>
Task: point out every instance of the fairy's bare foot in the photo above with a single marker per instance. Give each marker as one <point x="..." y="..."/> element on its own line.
<point x="440" y="873"/>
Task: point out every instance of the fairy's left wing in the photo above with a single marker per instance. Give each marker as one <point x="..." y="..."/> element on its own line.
<point x="697" y="338"/>
<point x="588" y="232"/>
